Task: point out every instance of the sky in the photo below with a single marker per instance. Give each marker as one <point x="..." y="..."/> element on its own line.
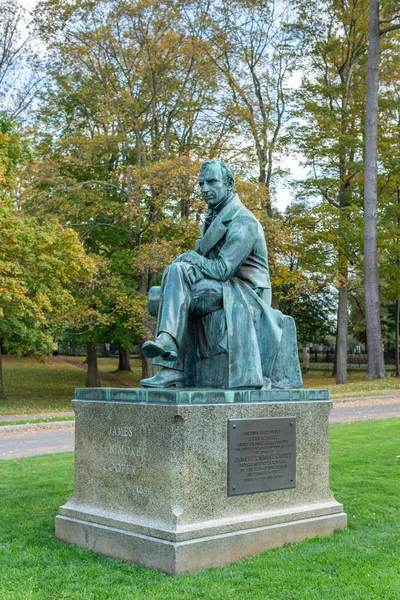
<point x="284" y="194"/>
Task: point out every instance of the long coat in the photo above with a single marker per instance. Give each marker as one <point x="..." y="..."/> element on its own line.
<point x="244" y="339"/>
<point x="234" y="246"/>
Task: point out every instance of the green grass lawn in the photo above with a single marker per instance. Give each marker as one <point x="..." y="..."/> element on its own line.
<point x="34" y="386"/>
<point x="318" y="379"/>
<point x="362" y="562"/>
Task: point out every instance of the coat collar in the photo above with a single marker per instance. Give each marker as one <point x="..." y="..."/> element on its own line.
<point x="218" y="228"/>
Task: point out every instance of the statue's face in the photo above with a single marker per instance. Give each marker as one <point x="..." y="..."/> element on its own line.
<point x="213" y="187"/>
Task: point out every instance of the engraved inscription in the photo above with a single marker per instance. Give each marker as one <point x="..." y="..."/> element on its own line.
<point x="123" y="455"/>
<point x="123" y="430"/>
<point x="123" y="468"/>
<point x="261" y="455"/>
<point x="125" y="450"/>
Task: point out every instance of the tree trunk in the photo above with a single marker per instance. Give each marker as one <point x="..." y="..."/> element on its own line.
<point x="1" y="376"/>
<point x="334" y="357"/>
<point x="92" y="379"/>
<point x="274" y="301"/>
<point x="123" y="364"/>
<point x="341" y="335"/>
<point x="397" y="337"/>
<point x="151" y="280"/>
<point x="306" y="358"/>
<point x="376" y="366"/>
<point x="148" y="369"/>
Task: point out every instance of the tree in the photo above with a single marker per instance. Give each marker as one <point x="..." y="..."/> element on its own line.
<point x="254" y="53"/>
<point x="302" y="264"/>
<point x="390" y="22"/>
<point x="13" y="150"/>
<point x="314" y="315"/>
<point x="131" y="85"/>
<point x="141" y="92"/>
<point x="389" y="189"/>
<point x="19" y="62"/>
<point x="329" y="133"/>
<point x="40" y="264"/>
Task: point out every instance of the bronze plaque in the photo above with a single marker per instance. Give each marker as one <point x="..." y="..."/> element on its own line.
<point x="261" y="455"/>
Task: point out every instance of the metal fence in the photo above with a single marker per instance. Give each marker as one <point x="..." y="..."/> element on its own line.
<point x="105" y="350"/>
<point x="353" y="358"/>
<point x="315" y="356"/>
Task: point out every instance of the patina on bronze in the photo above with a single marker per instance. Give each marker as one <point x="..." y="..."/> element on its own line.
<point x="261" y="455"/>
<point x="215" y="323"/>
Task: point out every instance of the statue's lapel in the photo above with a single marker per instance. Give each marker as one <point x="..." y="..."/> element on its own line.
<point x="218" y="228"/>
<point x="202" y="230"/>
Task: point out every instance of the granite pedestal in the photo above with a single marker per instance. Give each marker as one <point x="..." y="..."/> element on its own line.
<point x="151" y="477"/>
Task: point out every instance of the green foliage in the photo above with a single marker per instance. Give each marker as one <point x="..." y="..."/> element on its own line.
<point x="254" y="52"/>
<point x="329" y="134"/>
<point x="331" y="101"/>
<point x="130" y="83"/>
<point x="389" y="173"/>
<point x="314" y="315"/>
<point x="13" y="149"/>
<point x="139" y="92"/>
<point x="364" y="475"/>
<point x="40" y="264"/>
<point x="390" y="9"/>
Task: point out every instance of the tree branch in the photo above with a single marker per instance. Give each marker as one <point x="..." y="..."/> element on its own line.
<point x="390" y="28"/>
<point x="93" y="225"/>
<point x="382" y="21"/>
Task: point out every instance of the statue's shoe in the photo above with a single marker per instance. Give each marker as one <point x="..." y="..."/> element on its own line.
<point x="165" y="378"/>
<point x="163" y="346"/>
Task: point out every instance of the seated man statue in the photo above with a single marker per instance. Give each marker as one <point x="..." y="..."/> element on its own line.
<point x="215" y="324"/>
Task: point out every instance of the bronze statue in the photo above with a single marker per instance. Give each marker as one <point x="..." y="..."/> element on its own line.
<point x="215" y="324"/>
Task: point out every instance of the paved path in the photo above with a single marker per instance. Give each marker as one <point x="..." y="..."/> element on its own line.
<point x="33" y="441"/>
<point x="365" y="410"/>
<point x="44" y="416"/>
<point x="30" y="440"/>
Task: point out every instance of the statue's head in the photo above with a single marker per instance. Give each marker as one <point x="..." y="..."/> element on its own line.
<point x="216" y="181"/>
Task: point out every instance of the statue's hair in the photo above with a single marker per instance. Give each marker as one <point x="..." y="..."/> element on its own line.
<point x="227" y="172"/>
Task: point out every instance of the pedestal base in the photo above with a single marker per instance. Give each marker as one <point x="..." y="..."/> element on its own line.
<point x="151" y="480"/>
<point x="175" y="558"/>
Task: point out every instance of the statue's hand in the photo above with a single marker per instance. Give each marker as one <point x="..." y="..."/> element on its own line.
<point x="190" y="257"/>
